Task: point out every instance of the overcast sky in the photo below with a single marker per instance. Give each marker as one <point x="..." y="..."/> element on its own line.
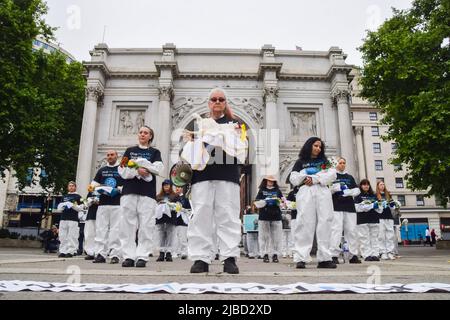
<point x="311" y="25"/>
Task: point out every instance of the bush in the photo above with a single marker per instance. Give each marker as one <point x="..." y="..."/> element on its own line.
<point x="32" y="238"/>
<point x="4" y="233"/>
<point x="24" y="237"/>
<point x="14" y="235"/>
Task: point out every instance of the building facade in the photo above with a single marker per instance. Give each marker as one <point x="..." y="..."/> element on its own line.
<point x="283" y="96"/>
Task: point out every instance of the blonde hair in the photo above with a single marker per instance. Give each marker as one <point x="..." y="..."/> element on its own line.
<point x="228" y="111"/>
<point x="387" y="194"/>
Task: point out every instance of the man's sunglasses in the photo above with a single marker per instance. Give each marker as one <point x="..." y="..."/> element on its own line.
<point x="217" y="99"/>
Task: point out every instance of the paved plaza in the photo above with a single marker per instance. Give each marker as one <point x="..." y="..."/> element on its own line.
<point x="415" y="265"/>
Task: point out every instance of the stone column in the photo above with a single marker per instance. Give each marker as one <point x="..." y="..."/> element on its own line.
<point x="271" y="135"/>
<point x="345" y="128"/>
<point x="84" y="167"/>
<point x="269" y="70"/>
<point x="270" y="98"/>
<point x="165" y="126"/>
<point x="360" y="149"/>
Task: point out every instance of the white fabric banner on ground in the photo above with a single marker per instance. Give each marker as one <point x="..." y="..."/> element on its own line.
<point x="234" y="288"/>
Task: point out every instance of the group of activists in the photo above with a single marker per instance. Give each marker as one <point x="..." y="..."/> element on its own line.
<point x="129" y="217"/>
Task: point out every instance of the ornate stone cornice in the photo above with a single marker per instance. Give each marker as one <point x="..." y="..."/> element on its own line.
<point x="165" y="93"/>
<point x="217" y="75"/>
<point x="270" y="93"/>
<point x="334" y="69"/>
<point x="271" y="66"/>
<point x="172" y="65"/>
<point x="94" y="92"/>
<point x="130" y="74"/>
<point x="100" y="65"/>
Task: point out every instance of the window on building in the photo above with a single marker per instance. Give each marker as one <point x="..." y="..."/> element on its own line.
<point x="402" y="200"/>
<point x="375" y="131"/>
<point x="394" y="147"/>
<point x="420" y="201"/>
<point x="399" y="182"/>
<point x="351" y="115"/>
<point x="373" y="116"/>
<point x="379" y="165"/>
<point x="380" y="179"/>
<point x="376" y="147"/>
<point x="398" y="167"/>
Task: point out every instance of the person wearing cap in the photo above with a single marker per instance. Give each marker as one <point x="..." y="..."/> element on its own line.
<point x="166" y="221"/>
<point x="215" y="195"/>
<point x="268" y="201"/>
<point x="138" y="202"/>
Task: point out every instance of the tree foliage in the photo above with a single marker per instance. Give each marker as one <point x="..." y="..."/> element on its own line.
<point x="406" y="74"/>
<point x="41" y="99"/>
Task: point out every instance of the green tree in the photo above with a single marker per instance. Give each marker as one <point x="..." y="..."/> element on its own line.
<point x="406" y="74"/>
<point x="56" y="121"/>
<point x="41" y="99"/>
<point x="20" y="23"/>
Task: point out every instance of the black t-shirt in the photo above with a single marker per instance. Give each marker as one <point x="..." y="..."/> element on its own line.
<point x="173" y="214"/>
<point x="109" y="176"/>
<point x="139" y="186"/>
<point x="291" y="197"/>
<point x="370" y="216"/>
<point x="304" y="164"/>
<point x="341" y="203"/>
<point x="269" y="213"/>
<point x="387" y="214"/>
<point x="70" y="214"/>
<point x="92" y="211"/>
<point x="186" y="205"/>
<point x="221" y="166"/>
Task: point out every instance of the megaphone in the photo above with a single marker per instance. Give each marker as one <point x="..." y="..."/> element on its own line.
<point x="181" y="174"/>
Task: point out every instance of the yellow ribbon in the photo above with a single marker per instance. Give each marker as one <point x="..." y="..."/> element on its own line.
<point x="243" y="132"/>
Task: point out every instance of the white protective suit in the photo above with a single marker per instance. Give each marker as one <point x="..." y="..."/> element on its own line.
<point x="314" y="213"/>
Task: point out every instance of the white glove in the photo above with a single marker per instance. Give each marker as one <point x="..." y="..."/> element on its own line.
<point x="296" y="178"/>
<point x="347" y="193"/>
<point x="127" y="173"/>
<point x="260" y="203"/>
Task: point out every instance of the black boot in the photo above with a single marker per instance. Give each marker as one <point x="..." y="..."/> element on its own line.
<point x="275" y="258"/>
<point x="128" y="263"/>
<point x="354" y="259"/>
<point x="300" y="265"/>
<point x="326" y="265"/>
<point x="88" y="257"/>
<point x="114" y="260"/>
<point x="141" y="263"/>
<point x="335" y="260"/>
<point x="161" y="257"/>
<point x="230" y="266"/>
<point x="169" y="257"/>
<point x="99" y="259"/>
<point x="199" y="266"/>
<point x="266" y="258"/>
